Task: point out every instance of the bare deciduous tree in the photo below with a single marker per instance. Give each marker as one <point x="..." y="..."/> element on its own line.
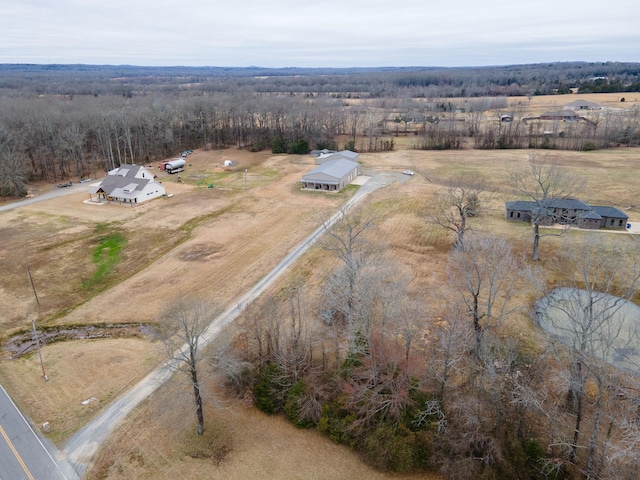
<point x="379" y="382"/>
<point x="374" y="116"/>
<point x="486" y="273"/>
<point x="181" y="327"/>
<point x="457" y="204"/>
<point x="346" y="239"/>
<point x="624" y="457"/>
<point x="449" y="346"/>
<point x="590" y="320"/>
<point x="544" y="184"/>
<point x="13" y="170"/>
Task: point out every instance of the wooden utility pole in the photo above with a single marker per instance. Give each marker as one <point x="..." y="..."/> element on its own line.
<point x="33" y="324"/>
<point x="33" y="286"/>
<point x="35" y="334"/>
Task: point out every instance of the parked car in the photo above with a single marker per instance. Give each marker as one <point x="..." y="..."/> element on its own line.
<point x="63" y="185"/>
<point x="409" y="172"/>
<point x="186" y="152"/>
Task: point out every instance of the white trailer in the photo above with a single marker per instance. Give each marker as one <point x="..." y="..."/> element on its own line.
<point x="175" y="166"/>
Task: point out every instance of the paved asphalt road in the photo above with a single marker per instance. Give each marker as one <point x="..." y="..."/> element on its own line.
<point x="53" y="193"/>
<point x="22" y="454"/>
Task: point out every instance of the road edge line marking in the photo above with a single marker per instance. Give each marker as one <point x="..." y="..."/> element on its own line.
<point x="15" y="453"/>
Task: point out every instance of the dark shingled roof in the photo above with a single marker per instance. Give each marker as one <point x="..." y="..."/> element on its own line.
<point x="113" y="182"/>
<point x="521" y="205"/>
<point x="127" y="170"/>
<point x="591" y="216"/>
<point x="610" y="212"/>
<point x="569" y="203"/>
<point x="596" y="212"/>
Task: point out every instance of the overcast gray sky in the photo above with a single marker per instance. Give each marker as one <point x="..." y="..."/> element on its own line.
<point x="321" y="33"/>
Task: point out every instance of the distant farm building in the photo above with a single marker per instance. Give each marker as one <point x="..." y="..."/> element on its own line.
<point x="569" y="211"/>
<point x="341" y="155"/>
<point x="129" y="184"/>
<point x="565" y="115"/>
<point x="324" y="151"/>
<point x="331" y="176"/>
<point x="582" y="105"/>
<point x="506" y="118"/>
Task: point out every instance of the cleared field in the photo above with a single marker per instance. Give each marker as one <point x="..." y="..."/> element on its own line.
<point x="542" y="103"/>
<point x="217" y="242"/>
<point x="91" y="371"/>
<point x="58" y="238"/>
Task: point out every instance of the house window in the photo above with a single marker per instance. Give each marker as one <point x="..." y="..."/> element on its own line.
<point x="619" y="223"/>
<point x="612" y="220"/>
<point x="511" y="214"/>
<point x="518" y="214"/>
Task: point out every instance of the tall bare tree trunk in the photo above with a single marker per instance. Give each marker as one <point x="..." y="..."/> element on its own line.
<point x="196" y="393"/>
<point x="578" y="413"/>
<point x="536" y="241"/>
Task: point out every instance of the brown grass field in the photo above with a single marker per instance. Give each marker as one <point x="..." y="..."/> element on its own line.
<point x="217" y="242"/>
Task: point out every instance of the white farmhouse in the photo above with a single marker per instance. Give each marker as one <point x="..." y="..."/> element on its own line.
<point x="130" y="184"/>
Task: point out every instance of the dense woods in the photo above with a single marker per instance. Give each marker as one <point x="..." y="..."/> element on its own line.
<point x="435" y="380"/>
<point x="60" y="122"/>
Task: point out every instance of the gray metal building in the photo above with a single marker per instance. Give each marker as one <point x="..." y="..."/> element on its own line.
<point x="331" y="176"/>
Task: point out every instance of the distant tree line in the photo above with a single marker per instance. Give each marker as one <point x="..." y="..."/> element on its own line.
<point x="60" y="122"/>
<point x="425" y="82"/>
<point x="57" y="137"/>
<point x="604" y="85"/>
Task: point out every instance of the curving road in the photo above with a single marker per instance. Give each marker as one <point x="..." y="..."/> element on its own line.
<point x="53" y="193"/>
<point x="80" y="449"/>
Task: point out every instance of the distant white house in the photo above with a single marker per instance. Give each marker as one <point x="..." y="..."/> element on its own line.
<point x="342" y="154"/>
<point x="331" y="176"/>
<point x="582" y="105"/>
<point x="130" y="184"/>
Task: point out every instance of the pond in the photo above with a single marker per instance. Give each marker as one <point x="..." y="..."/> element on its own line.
<point x="601" y="325"/>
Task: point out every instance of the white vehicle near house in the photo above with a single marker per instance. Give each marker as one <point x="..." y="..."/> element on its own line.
<point x="409" y="172"/>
